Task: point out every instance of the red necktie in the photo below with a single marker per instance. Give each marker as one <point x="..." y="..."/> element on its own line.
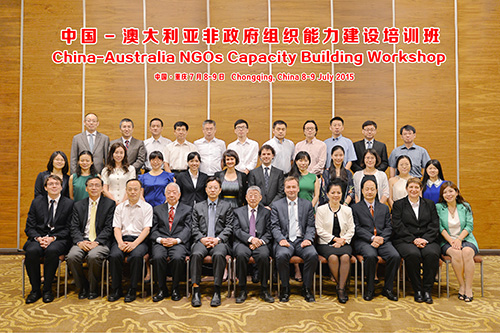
<point x="373" y="215"/>
<point x="126" y="143"/>
<point x="171" y="218"/>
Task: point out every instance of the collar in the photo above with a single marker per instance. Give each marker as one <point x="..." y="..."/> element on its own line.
<point x="414" y="205"/>
<point x="278" y="140"/>
<point x="129" y="140"/>
<point x="138" y="203"/>
<point x="413" y="146"/>
<point x="312" y="141"/>
<point x="193" y="176"/>
<point x="250" y="209"/>
<point x="56" y="199"/>
<point x="372" y="141"/>
<point x="159" y="139"/>
<point x="87" y="133"/>
<point x="175" y="206"/>
<point x="296" y="201"/>
<point x="336" y="139"/>
<point x="369" y="204"/>
<point x="180" y="144"/>
<point x="96" y="202"/>
<point x="215" y="202"/>
<point x="437" y="183"/>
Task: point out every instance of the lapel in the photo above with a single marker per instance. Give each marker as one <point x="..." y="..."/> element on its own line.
<point x="58" y="213"/>
<point x="86" y="212"/>
<point x="410" y="208"/>
<point x="285" y="214"/>
<point x="178" y="213"/>
<point x="45" y="210"/>
<point x="98" y="138"/>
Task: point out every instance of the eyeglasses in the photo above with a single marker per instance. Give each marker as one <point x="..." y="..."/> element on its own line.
<point x="241" y="127"/>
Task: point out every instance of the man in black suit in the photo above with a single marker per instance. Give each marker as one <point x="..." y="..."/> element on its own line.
<point x="252" y="231"/>
<point x="292" y="220"/>
<point x="91" y="231"/>
<point x="136" y="151"/>
<point x="170" y="237"/>
<point x="268" y="178"/>
<point x="212" y="228"/>
<point x="373" y="234"/>
<point x="369" y="129"/>
<point x="47" y="228"/>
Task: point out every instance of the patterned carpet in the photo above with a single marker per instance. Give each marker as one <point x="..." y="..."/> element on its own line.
<point x="326" y="315"/>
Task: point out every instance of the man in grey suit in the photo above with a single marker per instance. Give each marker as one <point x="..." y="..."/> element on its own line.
<point x="90" y="140"/>
<point x="252" y="232"/>
<point x="369" y="129"/>
<point x="292" y="220"/>
<point x="212" y="228"/>
<point x="268" y="178"/>
<point x="136" y="152"/>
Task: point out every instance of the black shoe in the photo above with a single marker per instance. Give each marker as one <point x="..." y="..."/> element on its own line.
<point x="368" y="295"/>
<point x="241" y="297"/>
<point x="115" y="295"/>
<point x="285" y="294"/>
<point x="428" y="297"/>
<point x="196" y="299"/>
<point x="160" y="296"/>
<point x="33" y="296"/>
<point x="390" y="296"/>
<point x="308" y="295"/>
<point x="266" y="296"/>
<point x="48" y="296"/>
<point x="131" y="295"/>
<point x="342" y="296"/>
<point x="418" y="297"/>
<point x="176" y="295"/>
<point x="93" y="295"/>
<point x="215" y="299"/>
<point x="84" y="293"/>
<point x="255" y="276"/>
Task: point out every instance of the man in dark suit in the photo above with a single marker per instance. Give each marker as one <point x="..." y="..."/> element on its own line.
<point x="91" y="231"/>
<point x="91" y="140"/>
<point x="47" y="228"/>
<point x="170" y="237"/>
<point x="373" y="234"/>
<point x="212" y="228"/>
<point x="292" y="220"/>
<point x="268" y="178"/>
<point x="136" y="152"/>
<point x="369" y="129"/>
<point x="252" y="231"/>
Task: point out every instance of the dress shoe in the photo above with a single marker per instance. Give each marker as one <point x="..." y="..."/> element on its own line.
<point x="285" y="294"/>
<point x="368" y="296"/>
<point x="131" y="295"/>
<point x="33" y="296"/>
<point x="390" y="296"/>
<point x="266" y="296"/>
<point x="84" y="293"/>
<point x="93" y="295"/>
<point x="196" y="299"/>
<point x="418" y="297"/>
<point x="115" y="295"/>
<point x="176" y="295"/>
<point x="428" y="298"/>
<point x="160" y="296"/>
<point x="48" y="296"/>
<point x="342" y="296"/>
<point x="215" y="299"/>
<point x="241" y="297"/>
<point x="308" y="295"/>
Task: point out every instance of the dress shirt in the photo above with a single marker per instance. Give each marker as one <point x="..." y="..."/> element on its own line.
<point x="86" y="232"/>
<point x="418" y="156"/>
<point x="349" y="152"/>
<point x="56" y="202"/>
<point x="211" y="154"/>
<point x="317" y="150"/>
<point x="123" y="141"/>
<point x="194" y="178"/>
<point x="176" y="154"/>
<point x="296" y="213"/>
<point x="154" y="145"/>
<point x="368" y="144"/>
<point x="248" y="153"/>
<point x="284" y="153"/>
<point x="415" y="207"/>
<point x="93" y="135"/>
<point x="132" y="219"/>
<point x="249" y="216"/>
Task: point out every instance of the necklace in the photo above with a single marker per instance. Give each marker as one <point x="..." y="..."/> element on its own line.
<point x="452" y="212"/>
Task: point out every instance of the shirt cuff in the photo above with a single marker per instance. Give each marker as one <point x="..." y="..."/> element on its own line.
<point x="158" y="240"/>
<point x="178" y="240"/>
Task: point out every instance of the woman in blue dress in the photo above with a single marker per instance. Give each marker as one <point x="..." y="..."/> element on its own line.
<point x="432" y="180"/>
<point x="155" y="181"/>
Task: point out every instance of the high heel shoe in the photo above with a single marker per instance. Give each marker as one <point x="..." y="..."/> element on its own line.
<point x="468" y="299"/>
<point x="461" y="296"/>
<point x="342" y="296"/>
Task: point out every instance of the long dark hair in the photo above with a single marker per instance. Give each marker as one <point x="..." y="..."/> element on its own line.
<point x="295" y="172"/>
<point x="426" y="177"/>
<point x="110" y="161"/>
<point x="50" y="164"/>
<point x="332" y="170"/>
<point x="460" y="199"/>
<point x="92" y="170"/>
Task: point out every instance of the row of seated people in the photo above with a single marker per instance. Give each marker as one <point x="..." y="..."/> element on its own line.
<point x="176" y="230"/>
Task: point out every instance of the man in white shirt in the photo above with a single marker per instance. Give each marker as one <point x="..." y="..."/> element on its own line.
<point x="316" y="148"/>
<point x="210" y="149"/>
<point x="131" y="224"/>
<point x="284" y="148"/>
<point x="176" y="152"/>
<point x="156" y="142"/>
<point x="247" y="149"/>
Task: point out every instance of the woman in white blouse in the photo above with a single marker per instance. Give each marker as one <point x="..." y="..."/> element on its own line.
<point x="335" y="229"/>
<point x="397" y="184"/>
<point x="370" y="162"/>
<point x="116" y="173"/>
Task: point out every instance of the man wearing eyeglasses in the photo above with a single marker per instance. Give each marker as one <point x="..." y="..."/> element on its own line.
<point x="316" y="148"/>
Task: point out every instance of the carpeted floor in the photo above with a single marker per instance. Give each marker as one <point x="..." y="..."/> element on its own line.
<point x="326" y="315"/>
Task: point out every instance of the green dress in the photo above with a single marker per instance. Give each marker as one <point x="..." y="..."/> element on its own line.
<point x="79" y="191"/>
<point x="306" y="186"/>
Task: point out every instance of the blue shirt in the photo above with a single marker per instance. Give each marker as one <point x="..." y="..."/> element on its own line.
<point x="349" y="152"/>
<point x="418" y="156"/>
<point x="154" y="187"/>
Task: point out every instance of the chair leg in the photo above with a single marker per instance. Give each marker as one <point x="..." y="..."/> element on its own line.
<point x="229" y="271"/>
<point x="398" y="277"/>
<point x="107" y="277"/>
<point x="143" y="272"/>
<point x="362" y="278"/>
<point x="447" y="279"/>
<point x="271" y="276"/>
<point x="58" y="277"/>
<point x="66" y="281"/>
<point x="187" y="278"/>
<point x="482" y="281"/>
<point x="103" y="268"/>
<point x="320" y="279"/>
<point x="24" y="273"/>
<point x="439" y="281"/>
<point x="356" y="279"/>
<point x="404" y="279"/>
<point x="234" y="274"/>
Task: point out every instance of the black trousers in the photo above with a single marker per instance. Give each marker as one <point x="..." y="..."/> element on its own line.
<point x="218" y="253"/>
<point x="308" y="254"/>
<point x="177" y="255"/>
<point x="261" y="256"/>
<point x="135" y="259"/>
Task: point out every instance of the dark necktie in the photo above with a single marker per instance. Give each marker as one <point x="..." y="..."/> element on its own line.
<point x="373" y="215"/>
<point x="50" y="222"/>
<point x="171" y="215"/>
<point x="266" y="177"/>
<point x="369" y="144"/>
<point x="211" y="220"/>
<point x="252" y="223"/>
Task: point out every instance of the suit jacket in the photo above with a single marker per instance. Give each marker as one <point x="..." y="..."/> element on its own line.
<point x="100" y="152"/>
<point x="190" y="194"/>
<point x="466" y="221"/>
<point x="407" y="227"/>
<point x="380" y="148"/>
<point x="276" y="184"/>
<point x="136" y="153"/>
<point x="365" y="222"/>
<point x="40" y="189"/>
<point x="280" y="221"/>
<point x="181" y="226"/>
<point x="242" y="184"/>
<point x="242" y="224"/>
<point x="103" y="220"/>
<point x="324" y="224"/>
<point x="38" y="216"/>
<point x="224" y="219"/>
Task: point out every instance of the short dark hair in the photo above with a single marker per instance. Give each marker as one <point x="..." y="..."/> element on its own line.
<point x="93" y="177"/>
<point x="408" y="128"/>
<point x="369" y="123"/>
<point x="337" y="182"/>
<point x="230" y="153"/>
<point x="180" y="124"/>
<point x="156" y="154"/>
<point x="310" y="121"/>
<point x="337" y="118"/>
<point x="209" y="121"/>
<point x="126" y="120"/>
<point x="192" y="155"/>
<point x="414" y="180"/>
<point x="279" y="122"/>
<point x="134" y="180"/>
<point x="156" y="119"/>
<point x="240" y="121"/>
<point x="211" y="179"/>
<point x="50" y="164"/>
<point x="268" y="147"/>
<point x="55" y="177"/>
